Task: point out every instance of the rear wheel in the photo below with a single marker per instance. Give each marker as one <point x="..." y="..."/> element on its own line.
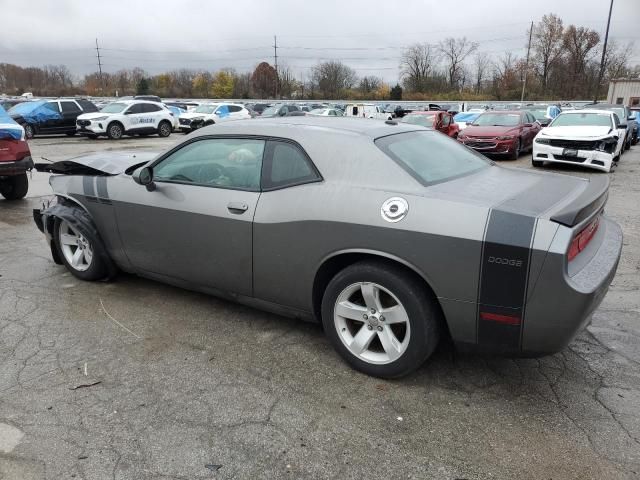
<point x="627" y="144"/>
<point x="70" y="134"/>
<point x="29" y="131"/>
<point x="164" y="129"/>
<point x="78" y="252"/>
<point x="14" y="187"/>
<point x="380" y="319"/>
<point x="115" y="131"/>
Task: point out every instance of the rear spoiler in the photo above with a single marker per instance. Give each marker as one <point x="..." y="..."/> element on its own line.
<point x="591" y="200"/>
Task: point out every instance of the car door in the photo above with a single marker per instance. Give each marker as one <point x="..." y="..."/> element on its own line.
<point x="52" y="125"/>
<point x="132" y="117"/>
<point x="70" y="111"/>
<point x="152" y="114"/>
<point x="288" y="174"/>
<point x="196" y="226"/>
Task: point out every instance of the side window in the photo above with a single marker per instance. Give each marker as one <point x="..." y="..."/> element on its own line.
<point x="446" y="120"/>
<point x="215" y="162"/>
<point x="54" y="106"/>
<point x="70" y="107"/>
<point x="87" y="106"/>
<point x="234" y="108"/>
<point x="293" y="108"/>
<point x="136" y="108"/>
<point x="332" y="113"/>
<point x="286" y="164"/>
<point x="150" y="108"/>
<point x="531" y="118"/>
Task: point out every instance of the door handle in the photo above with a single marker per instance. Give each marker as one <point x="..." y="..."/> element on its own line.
<point x="237" y="207"/>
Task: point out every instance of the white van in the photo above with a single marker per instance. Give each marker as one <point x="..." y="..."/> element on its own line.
<point x="366" y="110"/>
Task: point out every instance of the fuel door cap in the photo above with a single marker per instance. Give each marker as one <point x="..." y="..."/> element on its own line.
<point x="394" y="209"/>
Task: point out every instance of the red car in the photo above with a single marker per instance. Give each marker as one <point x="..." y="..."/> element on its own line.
<point x="505" y="133"/>
<point x="438" y="120"/>
<point x="15" y="160"/>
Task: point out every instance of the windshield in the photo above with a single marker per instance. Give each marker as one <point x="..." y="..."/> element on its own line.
<point x="205" y="109"/>
<point x="114" y="107"/>
<point x="424" y="120"/>
<point x="578" y="119"/>
<point x="422" y="154"/>
<point x="497" y="120"/>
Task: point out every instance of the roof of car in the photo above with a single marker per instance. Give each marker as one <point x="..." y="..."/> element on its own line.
<point x="265" y="126"/>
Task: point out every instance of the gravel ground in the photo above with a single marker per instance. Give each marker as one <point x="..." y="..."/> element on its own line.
<point x="137" y="380"/>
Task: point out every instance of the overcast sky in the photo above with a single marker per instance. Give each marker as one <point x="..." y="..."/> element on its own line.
<point x="368" y="35"/>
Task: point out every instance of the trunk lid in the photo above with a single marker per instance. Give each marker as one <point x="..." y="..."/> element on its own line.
<point x="563" y="199"/>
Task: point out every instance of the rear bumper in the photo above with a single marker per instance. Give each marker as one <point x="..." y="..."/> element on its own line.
<point x="564" y="297"/>
<point x="8" y="169"/>
<point x="589" y="158"/>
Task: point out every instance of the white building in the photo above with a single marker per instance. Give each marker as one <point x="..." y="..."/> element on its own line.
<point x="624" y="91"/>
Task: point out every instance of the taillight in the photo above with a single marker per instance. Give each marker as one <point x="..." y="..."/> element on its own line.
<point x="582" y="239"/>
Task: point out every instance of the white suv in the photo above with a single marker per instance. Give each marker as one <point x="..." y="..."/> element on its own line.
<point x="211" y="113"/>
<point x="127" y="117"/>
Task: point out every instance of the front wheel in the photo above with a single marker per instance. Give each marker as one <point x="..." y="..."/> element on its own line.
<point x="380" y="319"/>
<point x="164" y="129"/>
<point x="516" y="151"/>
<point x="115" y="131"/>
<point x="14" y="187"/>
<point x="78" y="252"/>
<point x="537" y="163"/>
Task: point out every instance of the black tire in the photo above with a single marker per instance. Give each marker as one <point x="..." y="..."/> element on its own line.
<point x="627" y="144"/>
<point x="92" y="137"/>
<point x="164" y="129"/>
<point x="70" y="134"/>
<point x="29" y="131"/>
<point x="115" y="130"/>
<point x="14" y="187"/>
<point x="516" y="153"/>
<point x="537" y="163"/>
<point x="418" y="301"/>
<point x="97" y="268"/>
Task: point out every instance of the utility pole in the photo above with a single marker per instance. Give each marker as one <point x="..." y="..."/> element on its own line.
<point x="604" y="53"/>
<point x="100" y="68"/>
<point x="526" y="68"/>
<point x="275" y="61"/>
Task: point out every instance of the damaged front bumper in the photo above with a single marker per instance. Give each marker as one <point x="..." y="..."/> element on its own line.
<point x="596" y="159"/>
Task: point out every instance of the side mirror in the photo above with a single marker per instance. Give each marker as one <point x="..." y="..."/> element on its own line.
<point x="144" y="176"/>
<point x="623" y="126"/>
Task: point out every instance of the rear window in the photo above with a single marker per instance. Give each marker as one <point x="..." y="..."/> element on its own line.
<point x="431" y="157"/>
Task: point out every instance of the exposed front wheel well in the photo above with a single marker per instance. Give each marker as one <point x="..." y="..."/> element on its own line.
<point x="335" y="264"/>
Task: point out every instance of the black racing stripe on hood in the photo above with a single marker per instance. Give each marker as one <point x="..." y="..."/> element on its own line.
<point x="503" y="278"/>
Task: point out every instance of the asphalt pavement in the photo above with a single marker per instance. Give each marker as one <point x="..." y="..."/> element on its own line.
<point x="133" y="379"/>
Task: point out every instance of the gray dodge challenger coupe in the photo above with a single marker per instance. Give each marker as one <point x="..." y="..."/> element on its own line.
<point x="392" y="235"/>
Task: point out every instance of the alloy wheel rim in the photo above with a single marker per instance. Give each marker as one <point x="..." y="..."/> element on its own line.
<point x="164" y="129"/>
<point x="372" y="323"/>
<point x="75" y="247"/>
<point x="116" y="132"/>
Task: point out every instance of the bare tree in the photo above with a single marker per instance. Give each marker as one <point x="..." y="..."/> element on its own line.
<point x="547" y="45"/>
<point x="616" y="60"/>
<point x="455" y="51"/>
<point x="333" y="78"/>
<point x="481" y="64"/>
<point x="579" y="44"/>
<point x="369" y="84"/>
<point x="416" y="66"/>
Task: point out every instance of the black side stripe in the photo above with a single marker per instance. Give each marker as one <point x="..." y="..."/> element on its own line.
<point x="101" y="187"/>
<point x="503" y="279"/>
<point x="88" y="187"/>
